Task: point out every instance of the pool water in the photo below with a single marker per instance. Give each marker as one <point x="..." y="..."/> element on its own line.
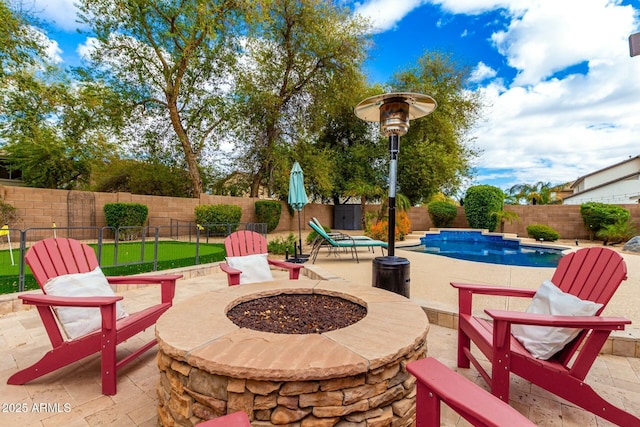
<point x="488" y="248"/>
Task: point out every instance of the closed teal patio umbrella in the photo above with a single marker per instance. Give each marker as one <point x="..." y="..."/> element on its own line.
<point x="297" y="199"/>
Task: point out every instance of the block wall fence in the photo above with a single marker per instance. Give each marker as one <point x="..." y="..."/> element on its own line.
<point x="40" y="208"/>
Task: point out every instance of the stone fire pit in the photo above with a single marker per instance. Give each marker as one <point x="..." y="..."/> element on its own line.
<point x="356" y="375"/>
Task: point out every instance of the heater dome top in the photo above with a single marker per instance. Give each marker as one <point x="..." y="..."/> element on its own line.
<point x="419" y="105"/>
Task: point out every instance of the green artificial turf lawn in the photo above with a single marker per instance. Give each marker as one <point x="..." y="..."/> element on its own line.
<point x="171" y="254"/>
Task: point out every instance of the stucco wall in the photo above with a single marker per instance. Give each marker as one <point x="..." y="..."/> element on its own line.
<point x="40" y="208"/>
<point x="623" y="192"/>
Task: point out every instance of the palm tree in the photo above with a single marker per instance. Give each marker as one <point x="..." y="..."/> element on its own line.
<point x="540" y="193"/>
<point x="517" y="194"/>
<point x="506" y="216"/>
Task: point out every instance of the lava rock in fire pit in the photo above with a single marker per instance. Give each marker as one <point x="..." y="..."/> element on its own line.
<point x="296" y="314"/>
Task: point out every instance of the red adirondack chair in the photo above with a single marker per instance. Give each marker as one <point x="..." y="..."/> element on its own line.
<point x="243" y="243"/>
<point x="52" y="258"/>
<point x="591" y="274"/>
<point x="437" y="383"/>
<point x="236" y="419"/>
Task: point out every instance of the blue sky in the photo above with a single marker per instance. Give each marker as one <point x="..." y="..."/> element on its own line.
<point x="561" y="93"/>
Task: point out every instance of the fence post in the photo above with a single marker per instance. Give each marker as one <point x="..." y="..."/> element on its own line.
<point x="142" y="241"/>
<point x="197" y="243"/>
<point x="100" y="238"/>
<point x="23" y="245"/>
<point x="155" y="250"/>
<point x="116" y="234"/>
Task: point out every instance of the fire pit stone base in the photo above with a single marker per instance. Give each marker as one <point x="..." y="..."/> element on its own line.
<point x="354" y="377"/>
<point x="381" y="397"/>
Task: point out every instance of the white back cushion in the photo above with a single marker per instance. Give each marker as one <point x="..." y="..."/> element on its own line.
<point x="255" y="268"/>
<point x="79" y="321"/>
<point x="544" y="341"/>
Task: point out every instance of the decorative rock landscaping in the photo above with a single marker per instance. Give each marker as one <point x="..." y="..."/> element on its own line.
<point x="353" y="376"/>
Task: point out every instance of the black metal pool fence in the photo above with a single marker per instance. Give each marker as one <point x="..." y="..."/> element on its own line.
<point x="14" y="243"/>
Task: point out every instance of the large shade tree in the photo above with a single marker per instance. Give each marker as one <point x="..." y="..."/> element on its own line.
<point x="171" y="59"/>
<point x="304" y="55"/>
<point x="52" y="128"/>
<point x="436" y="153"/>
<point x="20" y="44"/>
<point x="56" y="131"/>
<point x="358" y="157"/>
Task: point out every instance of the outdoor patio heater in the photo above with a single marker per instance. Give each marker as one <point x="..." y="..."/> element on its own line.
<point x="393" y="111"/>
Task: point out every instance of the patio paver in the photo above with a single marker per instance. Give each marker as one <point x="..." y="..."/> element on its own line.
<point x="71" y="396"/>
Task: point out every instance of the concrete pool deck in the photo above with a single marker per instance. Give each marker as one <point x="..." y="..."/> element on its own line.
<point x="431" y="274"/>
<point x="23" y="340"/>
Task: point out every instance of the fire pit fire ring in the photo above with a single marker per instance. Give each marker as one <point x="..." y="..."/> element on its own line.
<point x="209" y="366"/>
<point x="286" y="313"/>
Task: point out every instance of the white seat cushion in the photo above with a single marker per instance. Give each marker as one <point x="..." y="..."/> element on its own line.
<point x="79" y="321"/>
<point x="255" y="268"/>
<point x="545" y="341"/>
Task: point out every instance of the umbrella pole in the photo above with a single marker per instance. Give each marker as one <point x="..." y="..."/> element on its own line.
<point x="300" y="232"/>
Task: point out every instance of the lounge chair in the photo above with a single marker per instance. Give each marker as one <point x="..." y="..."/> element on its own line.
<point x="337" y="234"/>
<point x="567" y="308"/>
<point x="343" y="241"/>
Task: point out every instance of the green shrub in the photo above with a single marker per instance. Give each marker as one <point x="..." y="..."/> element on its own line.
<point x="597" y="216"/>
<point x="442" y="213"/>
<point x="619" y="232"/>
<point x="279" y="245"/>
<point x="8" y="213"/>
<point x="119" y="215"/>
<point x="480" y="204"/>
<point x="268" y="211"/>
<point x="215" y="218"/>
<point x="542" y="232"/>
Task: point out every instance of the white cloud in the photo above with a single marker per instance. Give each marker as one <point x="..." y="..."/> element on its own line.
<point x="546" y="36"/>
<point x="385" y="14"/>
<point x="552" y="35"/>
<point x="473" y="7"/>
<point x="52" y="50"/>
<point x="61" y="13"/>
<point x="560" y="129"/>
<point x="549" y="124"/>
<point x="482" y="72"/>
<point x="84" y="50"/>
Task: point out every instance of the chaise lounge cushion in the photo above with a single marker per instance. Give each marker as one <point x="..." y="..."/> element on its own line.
<point x="543" y="341"/>
<point x="255" y="268"/>
<point x="79" y="321"/>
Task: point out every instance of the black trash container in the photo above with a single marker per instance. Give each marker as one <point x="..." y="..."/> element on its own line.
<point x="392" y="274"/>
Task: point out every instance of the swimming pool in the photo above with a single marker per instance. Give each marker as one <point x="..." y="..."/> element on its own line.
<point x="471" y="245"/>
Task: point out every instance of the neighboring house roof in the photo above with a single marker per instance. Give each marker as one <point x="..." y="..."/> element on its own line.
<point x="582" y="178"/>
<point x="617" y="183"/>
<point x="604" y="184"/>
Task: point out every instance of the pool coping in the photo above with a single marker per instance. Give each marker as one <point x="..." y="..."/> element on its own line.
<point x="503" y="236"/>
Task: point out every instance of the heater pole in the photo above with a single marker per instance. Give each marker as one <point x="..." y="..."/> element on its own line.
<point x="394" y="149"/>
<point x="393" y="111"/>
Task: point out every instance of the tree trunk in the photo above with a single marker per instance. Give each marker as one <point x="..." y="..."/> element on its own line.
<point x="189" y="155"/>
<point x="265" y="167"/>
<point x="255" y="185"/>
